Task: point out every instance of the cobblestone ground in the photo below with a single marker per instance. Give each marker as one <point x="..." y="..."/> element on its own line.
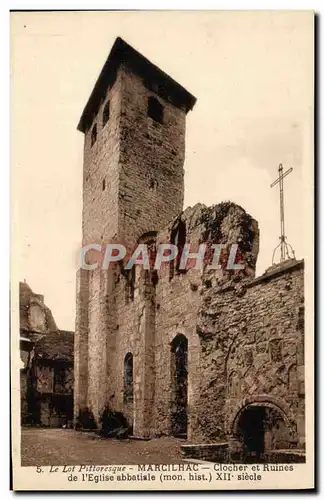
<point x="69" y="447"/>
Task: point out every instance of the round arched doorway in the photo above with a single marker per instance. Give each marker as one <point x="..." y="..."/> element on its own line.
<point x="258" y="429"/>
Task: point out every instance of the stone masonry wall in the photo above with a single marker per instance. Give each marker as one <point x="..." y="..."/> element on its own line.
<point x="133" y="173"/>
<point x="163" y="308"/>
<point x="151" y="187"/>
<point x="81" y="342"/>
<point x="230" y="319"/>
<point x="179" y="299"/>
<point x="101" y="172"/>
<point x="252" y="351"/>
<point x="245" y="335"/>
<point x="133" y="183"/>
<point x="99" y="224"/>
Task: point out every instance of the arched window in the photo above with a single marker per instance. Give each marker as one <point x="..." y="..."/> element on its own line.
<point x="155" y="109"/>
<point x="93" y="134"/>
<point x="106" y="114"/>
<point x="128" y="378"/>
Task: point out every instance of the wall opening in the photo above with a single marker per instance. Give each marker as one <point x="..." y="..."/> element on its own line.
<point x="179" y="380"/>
<point x="106" y="114"/>
<point x="178" y="238"/>
<point x="93" y="134"/>
<point x="155" y="109"/>
<point x="153" y="183"/>
<point x="260" y="430"/>
<point x="149" y="277"/>
<point x="130" y="283"/>
<point x="128" y="378"/>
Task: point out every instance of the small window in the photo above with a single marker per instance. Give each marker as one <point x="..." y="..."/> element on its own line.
<point x="105" y="114"/>
<point x="128" y="378"/>
<point x="155" y="109"/>
<point x="153" y="183"/>
<point x="178" y="238"/>
<point x="104" y="184"/>
<point x="130" y="283"/>
<point x="93" y="134"/>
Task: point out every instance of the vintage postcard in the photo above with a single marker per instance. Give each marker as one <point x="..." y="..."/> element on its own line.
<point x="162" y="280"/>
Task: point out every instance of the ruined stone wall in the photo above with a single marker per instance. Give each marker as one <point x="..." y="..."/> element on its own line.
<point x="177" y="303"/>
<point x="252" y="352"/>
<point x="164" y="306"/>
<point x="179" y="297"/>
<point x="245" y="335"/>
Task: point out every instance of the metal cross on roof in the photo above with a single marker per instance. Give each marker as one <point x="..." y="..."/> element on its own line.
<point x="285" y="248"/>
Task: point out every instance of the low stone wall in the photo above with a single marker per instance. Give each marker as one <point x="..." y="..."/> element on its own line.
<point x="213" y="452"/>
<point x="220" y="453"/>
<point x="286" y="457"/>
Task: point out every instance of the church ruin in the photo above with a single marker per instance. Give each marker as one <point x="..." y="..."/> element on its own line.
<point x="214" y="356"/>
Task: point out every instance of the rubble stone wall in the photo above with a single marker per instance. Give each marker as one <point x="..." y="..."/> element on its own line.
<point x="165" y="305"/>
<point x="252" y="352"/>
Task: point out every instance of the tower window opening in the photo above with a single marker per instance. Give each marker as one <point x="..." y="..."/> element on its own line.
<point x="93" y="134"/>
<point x="128" y="378"/>
<point x="104" y="184"/>
<point x="130" y="276"/>
<point x="155" y="109"/>
<point x="178" y="238"/>
<point x="106" y="114"/>
<point x="131" y="284"/>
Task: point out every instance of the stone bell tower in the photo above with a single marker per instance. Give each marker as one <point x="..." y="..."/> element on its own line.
<point x="134" y="148"/>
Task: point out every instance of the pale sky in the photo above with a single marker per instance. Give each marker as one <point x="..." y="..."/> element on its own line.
<point x="252" y="74"/>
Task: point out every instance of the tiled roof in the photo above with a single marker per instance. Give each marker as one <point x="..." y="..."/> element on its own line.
<point x="56" y="346"/>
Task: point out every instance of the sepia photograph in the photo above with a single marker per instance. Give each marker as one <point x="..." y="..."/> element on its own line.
<point x="162" y="280"/>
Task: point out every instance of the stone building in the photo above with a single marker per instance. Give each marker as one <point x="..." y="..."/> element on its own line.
<point x="198" y="353"/>
<point x="46" y="372"/>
